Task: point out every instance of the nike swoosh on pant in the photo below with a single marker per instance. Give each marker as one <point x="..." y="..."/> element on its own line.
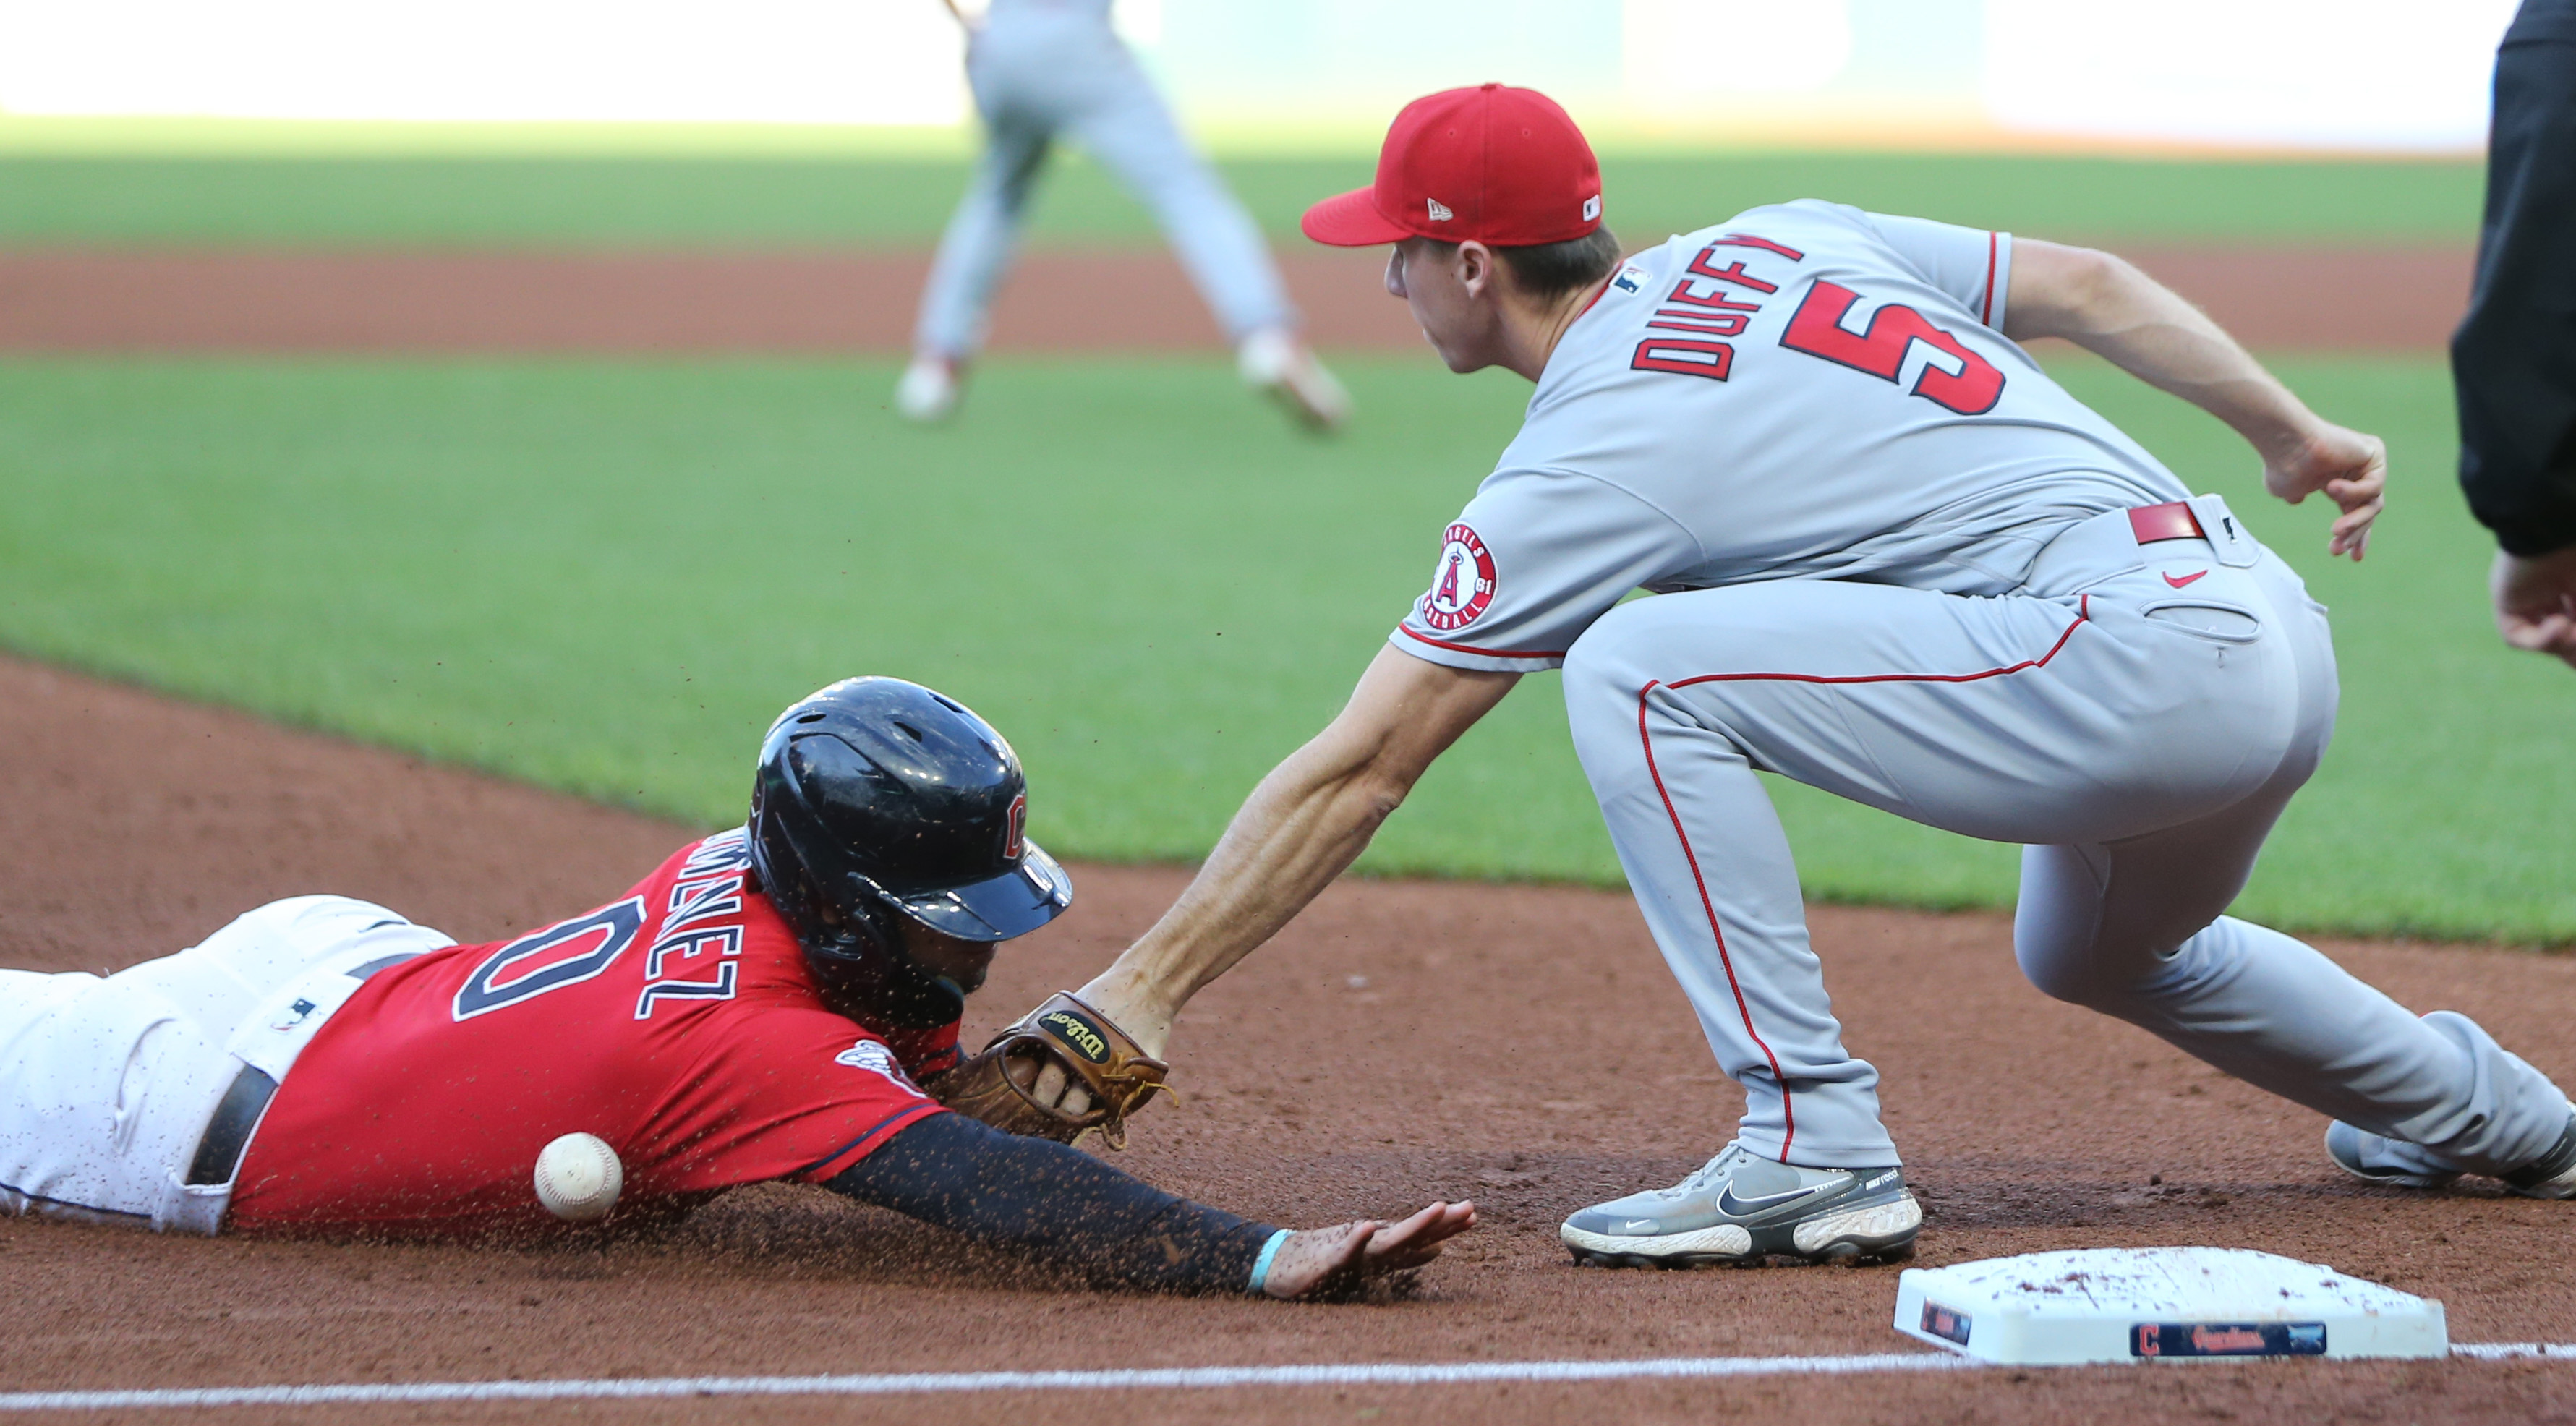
<point x="2186" y="579"/>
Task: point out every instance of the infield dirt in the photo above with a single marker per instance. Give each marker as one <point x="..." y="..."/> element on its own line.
<point x="1521" y="1046"/>
<point x="2326" y="298"/>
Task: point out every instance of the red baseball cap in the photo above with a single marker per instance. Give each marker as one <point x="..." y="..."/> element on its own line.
<point x="1500" y="165"/>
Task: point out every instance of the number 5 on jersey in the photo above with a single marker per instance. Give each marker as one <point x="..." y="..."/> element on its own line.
<point x="1816" y="328"/>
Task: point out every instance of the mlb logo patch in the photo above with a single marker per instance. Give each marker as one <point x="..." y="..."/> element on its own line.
<point x="1592" y="207"/>
<point x="1631" y="278"/>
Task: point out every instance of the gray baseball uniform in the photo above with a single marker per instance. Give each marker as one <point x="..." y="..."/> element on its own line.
<point x="1040" y="68"/>
<point x="1897" y="562"/>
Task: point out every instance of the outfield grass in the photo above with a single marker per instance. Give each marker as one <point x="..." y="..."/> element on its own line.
<point x="607" y="576"/>
<point x="736" y="202"/>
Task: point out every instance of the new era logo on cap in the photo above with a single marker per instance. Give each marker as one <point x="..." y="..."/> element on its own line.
<point x="1509" y="166"/>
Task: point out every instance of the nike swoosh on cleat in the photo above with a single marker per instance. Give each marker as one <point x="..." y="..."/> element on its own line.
<point x="1728" y="1203"/>
<point x="2186" y="579"/>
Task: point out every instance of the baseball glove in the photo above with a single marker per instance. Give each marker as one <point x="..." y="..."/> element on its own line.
<point x="1095" y="1054"/>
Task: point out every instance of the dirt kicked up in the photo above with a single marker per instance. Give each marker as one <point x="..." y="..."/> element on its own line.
<point x="1520" y="1045"/>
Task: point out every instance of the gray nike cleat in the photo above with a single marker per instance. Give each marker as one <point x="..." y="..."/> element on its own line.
<point x="2553" y="1174"/>
<point x="2398" y="1164"/>
<point x="1744" y="1209"/>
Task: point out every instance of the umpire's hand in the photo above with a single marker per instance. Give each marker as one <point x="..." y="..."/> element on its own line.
<point x="2535" y="601"/>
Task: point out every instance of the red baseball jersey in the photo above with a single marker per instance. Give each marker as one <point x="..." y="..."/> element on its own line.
<point x="679" y="1023"/>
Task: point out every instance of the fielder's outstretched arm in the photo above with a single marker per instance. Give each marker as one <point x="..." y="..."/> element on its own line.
<point x="1307" y="821"/>
<point x="2108" y="307"/>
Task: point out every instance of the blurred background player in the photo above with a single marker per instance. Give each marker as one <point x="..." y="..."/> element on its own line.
<point x="1041" y="68"/>
<point x="756" y="1008"/>
<point x="2514" y="359"/>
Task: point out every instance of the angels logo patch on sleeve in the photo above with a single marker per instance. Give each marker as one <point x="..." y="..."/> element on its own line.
<point x="1463" y="583"/>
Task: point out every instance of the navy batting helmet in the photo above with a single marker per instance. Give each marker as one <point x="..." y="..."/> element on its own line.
<point x="877" y="799"/>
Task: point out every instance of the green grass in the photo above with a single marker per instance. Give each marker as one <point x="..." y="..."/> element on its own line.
<point x="824" y="201"/>
<point x="607" y="577"/>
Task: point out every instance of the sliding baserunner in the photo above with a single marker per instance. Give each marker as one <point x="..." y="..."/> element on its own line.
<point x="1893" y="560"/>
<point x="770" y="1003"/>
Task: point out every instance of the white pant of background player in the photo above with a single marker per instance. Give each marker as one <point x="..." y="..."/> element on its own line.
<point x="108" y="1083"/>
<point x="1044" y="69"/>
<point x="2137" y="727"/>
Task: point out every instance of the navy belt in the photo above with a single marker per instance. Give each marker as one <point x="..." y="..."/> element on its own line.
<point x="219" y="1153"/>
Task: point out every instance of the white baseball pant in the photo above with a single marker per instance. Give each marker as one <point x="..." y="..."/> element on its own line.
<point x="107" y="1083"/>
<point x="2136" y="715"/>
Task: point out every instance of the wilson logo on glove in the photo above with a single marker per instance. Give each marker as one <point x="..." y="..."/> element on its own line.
<point x="1079" y="1034"/>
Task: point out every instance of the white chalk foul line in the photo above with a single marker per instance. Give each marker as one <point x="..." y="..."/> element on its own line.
<point x="1146" y="1378"/>
<point x="2516" y="1351"/>
<point x="1141" y="1378"/>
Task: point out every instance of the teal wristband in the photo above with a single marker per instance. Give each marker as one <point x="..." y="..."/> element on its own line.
<point x="1261" y="1265"/>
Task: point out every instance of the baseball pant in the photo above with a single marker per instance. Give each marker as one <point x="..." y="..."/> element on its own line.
<point x="1039" y="71"/>
<point x="107" y="1083"/>
<point x="2136" y="715"/>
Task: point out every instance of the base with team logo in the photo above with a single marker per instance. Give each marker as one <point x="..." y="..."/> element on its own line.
<point x="2160" y="1304"/>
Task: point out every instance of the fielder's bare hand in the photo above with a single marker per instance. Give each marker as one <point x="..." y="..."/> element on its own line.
<point x="2535" y="601"/>
<point x="1327" y="1262"/>
<point x="2349" y="467"/>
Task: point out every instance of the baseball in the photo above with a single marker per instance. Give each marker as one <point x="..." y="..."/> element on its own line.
<point x="578" y="1178"/>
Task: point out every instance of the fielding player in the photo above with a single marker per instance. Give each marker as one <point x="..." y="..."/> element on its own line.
<point x="1042" y="69"/>
<point x="1893" y="560"/>
<point x="762" y="1006"/>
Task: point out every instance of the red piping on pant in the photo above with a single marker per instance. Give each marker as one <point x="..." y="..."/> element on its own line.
<point x="2083" y="612"/>
<point x="1726" y="961"/>
<point x="1987" y="317"/>
<point x="1787" y="1117"/>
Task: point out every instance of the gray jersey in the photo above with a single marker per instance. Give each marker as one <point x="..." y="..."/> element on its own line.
<point x="1802" y="391"/>
<point x="1898" y="563"/>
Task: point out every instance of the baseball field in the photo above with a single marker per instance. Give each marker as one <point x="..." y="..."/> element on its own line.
<point x="322" y="568"/>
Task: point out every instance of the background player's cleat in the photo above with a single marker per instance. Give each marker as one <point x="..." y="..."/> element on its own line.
<point x="1274" y="361"/>
<point x="1742" y="1208"/>
<point x="928" y="390"/>
<point x="2398" y="1164"/>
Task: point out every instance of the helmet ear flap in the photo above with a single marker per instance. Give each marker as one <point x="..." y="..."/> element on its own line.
<point x="865" y="973"/>
<point x="852" y="943"/>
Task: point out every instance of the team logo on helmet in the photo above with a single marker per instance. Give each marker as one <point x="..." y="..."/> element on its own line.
<point x="1015" y="839"/>
<point x="1463" y="584"/>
